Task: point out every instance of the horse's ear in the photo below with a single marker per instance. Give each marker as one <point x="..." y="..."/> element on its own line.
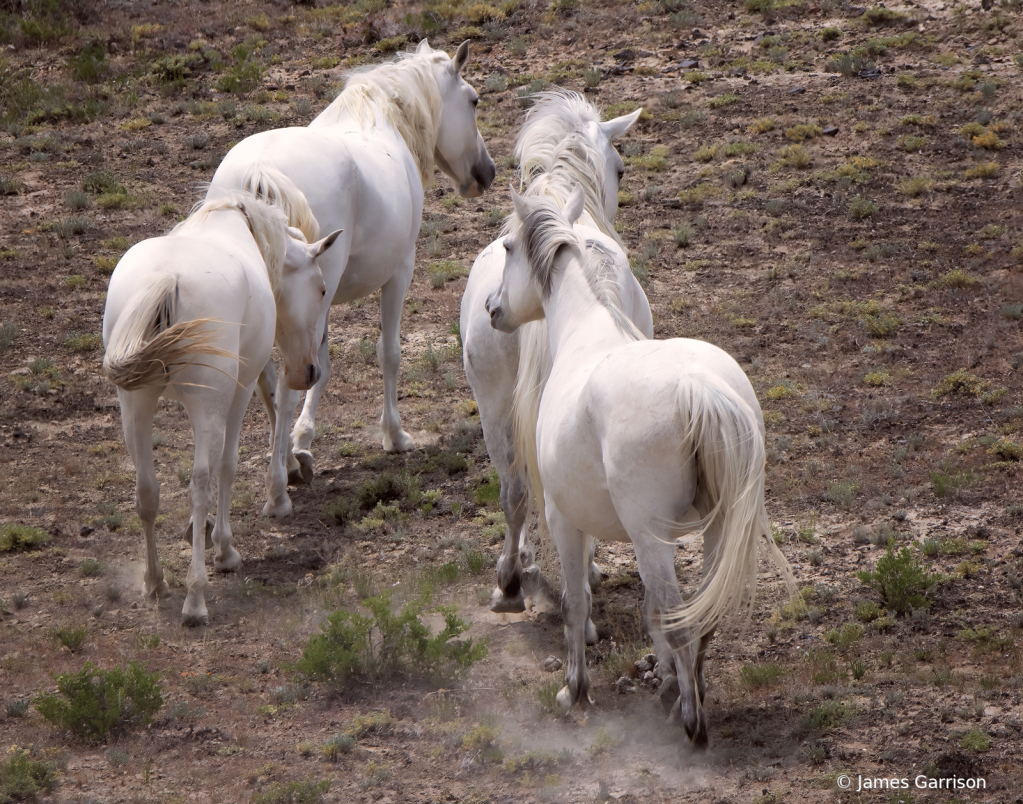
<point x="423" y="47"/>
<point x="461" y="56"/>
<point x="519" y="202"/>
<point x="618" y="126"/>
<point x="574" y="204"/>
<point x="326" y="243"/>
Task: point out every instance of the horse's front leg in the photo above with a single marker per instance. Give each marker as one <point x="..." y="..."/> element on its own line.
<point x="300" y="457"/>
<point x="392" y="299"/>
<point x="572" y="546"/>
<point x="278" y="503"/>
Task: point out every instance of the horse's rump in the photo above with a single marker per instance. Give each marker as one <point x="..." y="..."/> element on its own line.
<point x="147" y="348"/>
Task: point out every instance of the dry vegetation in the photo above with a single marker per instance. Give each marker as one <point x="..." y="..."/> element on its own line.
<point x="832" y="194"/>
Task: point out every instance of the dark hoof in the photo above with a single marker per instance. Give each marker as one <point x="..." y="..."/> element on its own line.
<point x="669" y="693"/>
<point x="699" y="741"/>
<point x="187" y="535"/>
<point x="194" y="620"/>
<point x="501" y="603"/>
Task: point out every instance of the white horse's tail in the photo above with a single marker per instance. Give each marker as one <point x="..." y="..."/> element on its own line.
<point x="534" y="370"/>
<point x="146" y="349"/>
<point x="269" y="184"/>
<point x="722" y="431"/>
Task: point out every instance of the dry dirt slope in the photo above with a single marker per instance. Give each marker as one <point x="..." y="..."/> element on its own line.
<point x="869" y="281"/>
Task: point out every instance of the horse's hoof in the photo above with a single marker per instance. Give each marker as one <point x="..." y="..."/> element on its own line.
<point x="535" y="584"/>
<point x="596" y="575"/>
<point x="564" y="698"/>
<point x="670" y="692"/>
<point x="303" y="474"/>
<point x="699" y="740"/>
<point x="158" y="591"/>
<point x="231" y="561"/>
<point x="500" y="603"/>
<point x="187" y="535"/>
<point x="280" y="510"/>
<point x="195" y="620"/>
<point x="403" y="443"/>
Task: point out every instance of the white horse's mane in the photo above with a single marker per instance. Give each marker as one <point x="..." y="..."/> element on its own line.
<point x="406" y="91"/>
<point x="543" y="232"/>
<point x="267" y="223"/>
<point x="555" y="155"/>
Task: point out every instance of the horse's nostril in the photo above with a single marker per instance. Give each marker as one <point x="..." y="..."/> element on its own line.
<point x="311" y="374"/>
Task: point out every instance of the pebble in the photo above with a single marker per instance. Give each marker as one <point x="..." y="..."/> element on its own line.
<point x="830" y="131"/>
<point x="552" y="664"/>
<point x="624" y="686"/>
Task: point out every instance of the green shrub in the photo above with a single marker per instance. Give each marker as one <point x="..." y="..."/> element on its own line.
<point x="900" y="580"/>
<point x="349" y="647"/>
<point x="826" y="717"/>
<point x="755" y="676"/>
<point x="975" y="740"/>
<point x="94" y="703"/>
<point x="22" y="777"/>
<point x="22" y="537"/>
<point x="293" y="793"/>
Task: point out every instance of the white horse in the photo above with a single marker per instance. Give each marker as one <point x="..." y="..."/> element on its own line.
<point x="640" y="441"/>
<point x="225" y="284"/>
<point x="562" y="144"/>
<point x="361" y="165"/>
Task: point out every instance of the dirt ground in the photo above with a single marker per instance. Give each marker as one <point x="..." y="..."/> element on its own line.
<point x="833" y="194"/>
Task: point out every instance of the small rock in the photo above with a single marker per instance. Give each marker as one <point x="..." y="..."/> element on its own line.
<point x="552" y="664"/>
<point x="829" y="131"/>
<point x="797" y="90"/>
<point x="648" y="676"/>
<point x="643" y="666"/>
<point x="688" y="64"/>
<point x="625" y="685"/>
<point x="86" y="531"/>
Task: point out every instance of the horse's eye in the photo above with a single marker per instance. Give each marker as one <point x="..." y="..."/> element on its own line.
<point x="323" y="293"/>
<point x="508" y="247"/>
<point x="475" y="102"/>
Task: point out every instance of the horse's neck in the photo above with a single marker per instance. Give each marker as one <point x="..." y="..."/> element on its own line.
<point x="577" y="321"/>
<point x="342" y="122"/>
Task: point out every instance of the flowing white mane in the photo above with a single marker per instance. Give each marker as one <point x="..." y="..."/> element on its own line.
<point x="543" y="232"/>
<point x="555" y="154"/>
<point x="267" y="224"/>
<point x="406" y="92"/>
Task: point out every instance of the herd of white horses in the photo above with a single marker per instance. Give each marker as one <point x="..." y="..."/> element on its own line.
<point x="607" y="432"/>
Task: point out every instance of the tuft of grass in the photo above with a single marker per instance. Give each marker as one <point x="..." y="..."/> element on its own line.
<point x="900" y="581"/>
<point x="758" y="676"/>
<point x="387" y="642"/>
<point x="14" y="537"/>
<point x="444" y="271"/>
<point x="802" y="132"/>
<point x="683" y="234"/>
<point x="961" y="383"/>
<point x="975" y="740"/>
<point x="23" y="778"/>
<point x="8" y="334"/>
<point x="860" y="208"/>
<point x="824" y="718"/>
<point x="293" y="793"/>
<point x="795" y="156"/>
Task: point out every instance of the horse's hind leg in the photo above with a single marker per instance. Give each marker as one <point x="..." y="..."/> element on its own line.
<point x="392" y="299"/>
<point x="208" y="431"/>
<point x="300" y="456"/>
<point x="266" y="387"/>
<point x="676" y="651"/>
<point x="575" y="606"/>
<point x="225" y="557"/>
<point x="137" y="411"/>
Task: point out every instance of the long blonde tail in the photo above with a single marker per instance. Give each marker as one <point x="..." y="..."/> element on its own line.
<point x="146" y="349"/>
<point x="534" y="369"/>
<point x="269" y="184"/>
<point x="722" y="431"/>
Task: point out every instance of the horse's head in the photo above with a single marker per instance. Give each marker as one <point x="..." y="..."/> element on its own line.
<point x="460" y="151"/>
<point x="601" y="135"/>
<point x="302" y="309"/>
<point x="537" y="232"/>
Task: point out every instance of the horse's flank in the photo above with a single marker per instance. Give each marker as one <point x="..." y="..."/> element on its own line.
<point x="406" y="92"/>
